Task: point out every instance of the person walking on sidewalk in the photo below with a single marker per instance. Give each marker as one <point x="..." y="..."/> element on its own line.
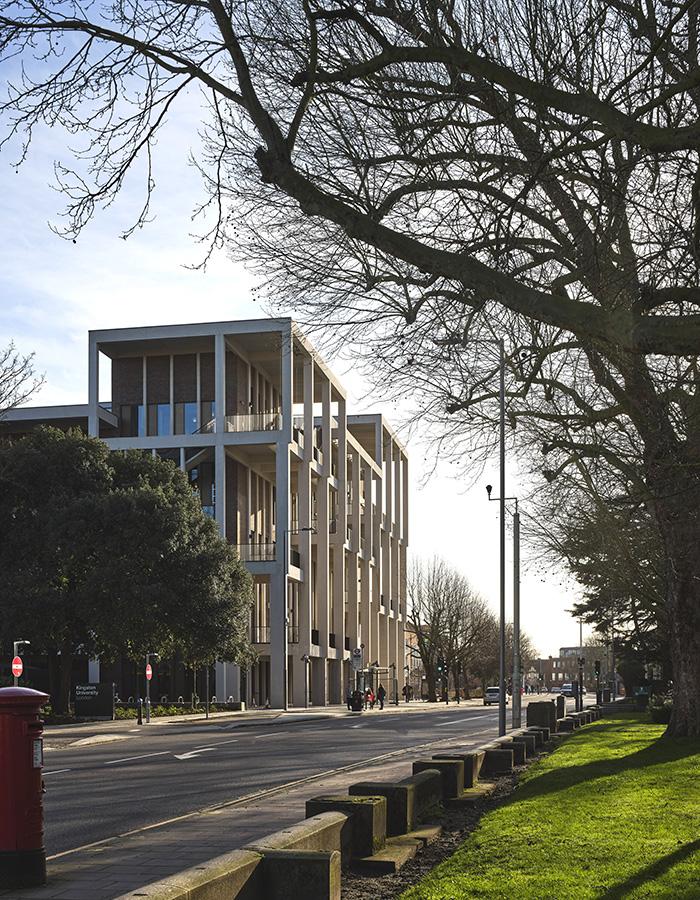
<point x="381" y="694"/>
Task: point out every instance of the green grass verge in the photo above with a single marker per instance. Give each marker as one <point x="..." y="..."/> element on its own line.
<point x="613" y="813"/>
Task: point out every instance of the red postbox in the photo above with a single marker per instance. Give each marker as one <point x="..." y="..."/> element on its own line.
<point x="22" y="853"/>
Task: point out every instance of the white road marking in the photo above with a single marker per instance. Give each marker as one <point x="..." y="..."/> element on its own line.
<point x="56" y="772"/>
<point x="113" y="762"/>
<point x="193" y="753"/>
<point x="452" y="722"/>
<point x="274" y="734"/>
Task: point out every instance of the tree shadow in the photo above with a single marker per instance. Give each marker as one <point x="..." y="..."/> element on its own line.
<point x="663" y="750"/>
<point x="619" y="891"/>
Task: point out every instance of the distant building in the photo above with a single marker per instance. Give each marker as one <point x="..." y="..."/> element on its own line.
<point x="315" y="500"/>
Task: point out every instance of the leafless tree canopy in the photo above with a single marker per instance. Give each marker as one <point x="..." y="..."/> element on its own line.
<point x="17" y="379"/>
<point x="432" y="174"/>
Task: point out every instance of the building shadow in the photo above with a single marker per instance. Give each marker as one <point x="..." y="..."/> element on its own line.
<point x="656" y="869"/>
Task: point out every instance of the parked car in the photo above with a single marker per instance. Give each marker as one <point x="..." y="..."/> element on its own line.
<point x="555" y="689"/>
<point x="569" y="690"/>
<point x="492" y="695"/>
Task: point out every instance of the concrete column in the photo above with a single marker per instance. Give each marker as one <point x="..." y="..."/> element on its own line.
<point x="404" y="479"/>
<point x="353" y="600"/>
<point x="94" y="387"/>
<point x="319" y="681"/>
<point x="287" y="383"/>
<point x="336" y="689"/>
<point x="220" y="486"/>
<point x="342" y="436"/>
<point x="389" y="484"/>
<point x="220" y="382"/>
<point x="298" y="667"/>
<point x="278" y="581"/>
<point x="338" y="624"/>
<point x="398" y="494"/>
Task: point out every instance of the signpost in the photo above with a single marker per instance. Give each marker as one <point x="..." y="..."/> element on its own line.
<point x="17" y="667"/>
<point x="149" y="672"/>
<point x="149" y="675"/>
<point x="95" y="701"/>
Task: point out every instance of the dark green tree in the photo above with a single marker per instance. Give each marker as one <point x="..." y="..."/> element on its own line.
<point x="110" y="553"/>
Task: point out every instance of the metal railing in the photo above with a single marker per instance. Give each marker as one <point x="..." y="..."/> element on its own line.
<point x="265" y="421"/>
<point x="257" y="552"/>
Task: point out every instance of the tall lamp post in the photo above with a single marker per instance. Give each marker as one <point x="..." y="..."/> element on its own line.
<point x="517" y="674"/>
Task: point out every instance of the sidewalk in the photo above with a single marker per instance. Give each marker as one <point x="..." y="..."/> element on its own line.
<point x="126" y="862"/>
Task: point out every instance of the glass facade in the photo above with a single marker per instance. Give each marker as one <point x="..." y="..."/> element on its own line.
<point x="186" y="418"/>
<point x="207" y="414"/>
<point x="158" y="418"/>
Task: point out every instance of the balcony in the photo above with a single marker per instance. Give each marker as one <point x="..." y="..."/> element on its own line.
<point x="265" y="421"/>
<point x="256" y="552"/>
<point x="260" y="634"/>
<point x="293" y="634"/>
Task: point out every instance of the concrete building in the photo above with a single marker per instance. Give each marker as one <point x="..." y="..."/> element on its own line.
<point x="314" y="499"/>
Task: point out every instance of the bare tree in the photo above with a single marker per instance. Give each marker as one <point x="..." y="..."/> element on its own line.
<point x="435" y="175"/>
<point x="17" y="378"/>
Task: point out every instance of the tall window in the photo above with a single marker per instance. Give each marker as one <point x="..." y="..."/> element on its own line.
<point x="208" y="413"/>
<point x="186" y="418"/>
<point x="158" y="418"/>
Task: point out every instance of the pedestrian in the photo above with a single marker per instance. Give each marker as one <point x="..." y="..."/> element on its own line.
<point x="381" y="695"/>
<point x="348" y="698"/>
<point x="404" y="692"/>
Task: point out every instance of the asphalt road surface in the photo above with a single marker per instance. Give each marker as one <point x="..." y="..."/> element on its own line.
<point x="163" y="771"/>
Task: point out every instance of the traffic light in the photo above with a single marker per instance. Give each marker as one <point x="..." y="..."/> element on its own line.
<point x="440" y="665"/>
<point x="596" y="666"/>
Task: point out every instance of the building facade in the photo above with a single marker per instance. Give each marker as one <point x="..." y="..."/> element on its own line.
<point x="315" y="500"/>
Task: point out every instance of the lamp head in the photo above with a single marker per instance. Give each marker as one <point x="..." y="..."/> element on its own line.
<point x="489" y="488"/>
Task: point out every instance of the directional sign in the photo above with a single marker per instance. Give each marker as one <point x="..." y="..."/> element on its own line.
<point x="149" y="672"/>
<point x="17" y="667"/>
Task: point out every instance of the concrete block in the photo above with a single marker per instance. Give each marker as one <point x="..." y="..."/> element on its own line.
<point x="367" y="817"/>
<point x="330" y="830"/>
<point x="575" y="721"/>
<point x="538" y="736"/>
<point x="400" y="803"/>
<point x="427" y="785"/>
<point x="528" y="740"/>
<point x="497" y="761"/>
<point x="566" y="724"/>
<point x="451" y="772"/>
<point x="233" y="875"/>
<point x="561" y="706"/>
<point x="542" y="712"/>
<point x="311" y="874"/>
<point x="397" y="852"/>
<point x="473" y="761"/>
<point x="545" y="732"/>
<point x="519" y="750"/>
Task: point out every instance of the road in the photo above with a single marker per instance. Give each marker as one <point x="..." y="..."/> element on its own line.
<point x="162" y="771"/>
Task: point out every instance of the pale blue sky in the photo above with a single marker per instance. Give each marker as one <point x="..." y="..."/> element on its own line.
<point x="53" y="291"/>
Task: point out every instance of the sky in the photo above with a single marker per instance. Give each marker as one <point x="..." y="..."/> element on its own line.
<point x="52" y="291"/>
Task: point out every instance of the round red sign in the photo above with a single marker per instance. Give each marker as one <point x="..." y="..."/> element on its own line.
<point x="17" y="667"/>
<point x="149" y="672"/>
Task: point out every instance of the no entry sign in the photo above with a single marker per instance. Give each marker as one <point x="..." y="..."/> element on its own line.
<point x="17" y="667"/>
<point x="149" y="672"/>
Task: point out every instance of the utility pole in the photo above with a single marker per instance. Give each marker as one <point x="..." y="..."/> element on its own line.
<point x="502" y="566"/>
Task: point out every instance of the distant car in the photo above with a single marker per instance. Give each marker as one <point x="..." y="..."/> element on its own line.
<point x="555" y="689"/>
<point x="569" y="690"/>
<point x="492" y="695"/>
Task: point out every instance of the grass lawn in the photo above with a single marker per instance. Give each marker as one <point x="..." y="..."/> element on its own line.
<point x="613" y="813"/>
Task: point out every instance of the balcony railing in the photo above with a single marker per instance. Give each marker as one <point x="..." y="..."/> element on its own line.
<point x="256" y="552"/>
<point x="293" y="634"/>
<point x="265" y="421"/>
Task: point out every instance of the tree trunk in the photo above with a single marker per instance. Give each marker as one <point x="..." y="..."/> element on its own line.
<point x="61" y="700"/>
<point x="677" y="510"/>
<point x="430" y="676"/>
<point x="683" y="608"/>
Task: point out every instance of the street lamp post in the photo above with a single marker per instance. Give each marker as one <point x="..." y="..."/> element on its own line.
<point x="15" y="652"/>
<point x="517" y="674"/>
